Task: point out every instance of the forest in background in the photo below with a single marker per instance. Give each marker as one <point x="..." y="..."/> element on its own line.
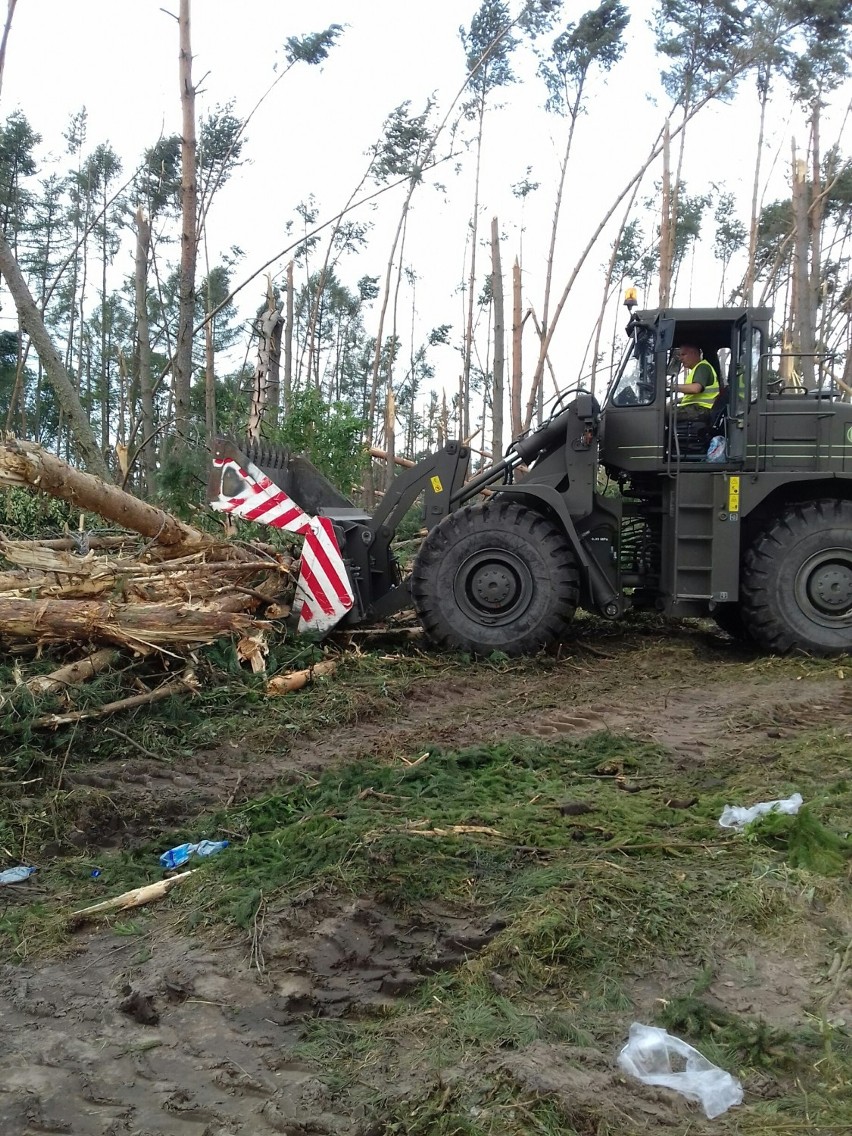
<point x="131" y="375"/>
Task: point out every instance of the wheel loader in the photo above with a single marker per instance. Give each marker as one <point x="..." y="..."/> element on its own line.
<point x="610" y="507"/>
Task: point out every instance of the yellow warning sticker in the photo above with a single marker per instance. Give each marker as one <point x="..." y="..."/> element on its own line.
<point x="436" y="485"/>
<point x="734" y="495"/>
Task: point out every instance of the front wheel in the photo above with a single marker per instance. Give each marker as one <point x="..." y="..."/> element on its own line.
<point x="797" y="585"/>
<point x="495" y="577"/>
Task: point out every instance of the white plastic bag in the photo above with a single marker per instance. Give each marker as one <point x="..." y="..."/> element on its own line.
<point x="716" y="449"/>
<point x="654" y="1057"/>
<point x="737" y="816"/>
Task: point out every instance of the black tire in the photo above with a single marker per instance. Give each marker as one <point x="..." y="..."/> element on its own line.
<point x="495" y="577"/>
<point x="797" y="585"/>
<point x="729" y="618"/>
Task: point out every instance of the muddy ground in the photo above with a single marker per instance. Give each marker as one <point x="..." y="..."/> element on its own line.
<point x="148" y="1029"/>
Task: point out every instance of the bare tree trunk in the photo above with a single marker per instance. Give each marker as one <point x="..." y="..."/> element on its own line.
<point x="273" y="379"/>
<point x="517" y="331"/>
<point x="267" y="323"/>
<point x="4" y="41"/>
<point x="209" y="380"/>
<point x="390" y="436"/>
<point x="610" y="269"/>
<point x="497" y="391"/>
<point x="467" y="356"/>
<point x="667" y="222"/>
<point x="288" y="342"/>
<point x="801" y="306"/>
<point x="189" y="235"/>
<point x="816" y="213"/>
<point x="751" y="267"/>
<point x="32" y="322"/>
<point x="143" y="353"/>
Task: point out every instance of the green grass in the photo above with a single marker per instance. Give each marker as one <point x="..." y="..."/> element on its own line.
<point x="590" y="902"/>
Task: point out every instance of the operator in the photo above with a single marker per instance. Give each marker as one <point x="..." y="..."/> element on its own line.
<point x="699" y="388"/>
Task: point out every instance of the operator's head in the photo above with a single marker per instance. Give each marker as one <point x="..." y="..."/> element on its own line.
<point x="689" y="355"/>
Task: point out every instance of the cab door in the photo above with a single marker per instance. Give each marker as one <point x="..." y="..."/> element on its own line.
<point x="748" y="357"/>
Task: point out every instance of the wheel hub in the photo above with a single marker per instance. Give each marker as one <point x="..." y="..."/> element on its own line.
<point x="493" y="586"/>
<point x="824" y="583"/>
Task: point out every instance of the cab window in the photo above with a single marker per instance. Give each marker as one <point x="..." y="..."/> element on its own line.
<point x="636" y="383"/>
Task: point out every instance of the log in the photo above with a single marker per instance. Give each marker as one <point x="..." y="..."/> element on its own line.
<point x="134" y="898"/>
<point x="26" y="464"/>
<point x="383" y="455"/>
<point x="127" y="625"/>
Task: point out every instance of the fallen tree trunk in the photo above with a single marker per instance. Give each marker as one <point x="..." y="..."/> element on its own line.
<point x="26" y="464"/>
<point x="128" y="625"/>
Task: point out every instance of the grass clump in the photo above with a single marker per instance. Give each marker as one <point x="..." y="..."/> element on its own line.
<point x="804" y="841"/>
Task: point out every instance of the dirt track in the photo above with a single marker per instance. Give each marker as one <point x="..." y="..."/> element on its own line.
<point x="163" y="1034"/>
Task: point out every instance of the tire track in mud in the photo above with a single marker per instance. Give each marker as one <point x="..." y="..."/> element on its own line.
<point x="193" y="1039"/>
<point x="129" y="801"/>
<point x="134" y="1037"/>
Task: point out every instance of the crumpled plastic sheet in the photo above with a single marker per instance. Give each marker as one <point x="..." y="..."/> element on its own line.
<point x="655" y="1057"/>
<point x="738" y="816"/>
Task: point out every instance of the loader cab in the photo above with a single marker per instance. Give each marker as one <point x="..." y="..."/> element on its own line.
<point x="642" y="431"/>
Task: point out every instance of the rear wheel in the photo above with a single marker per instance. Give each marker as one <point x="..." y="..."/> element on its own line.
<point x="797" y="586"/>
<point x="495" y="577"/>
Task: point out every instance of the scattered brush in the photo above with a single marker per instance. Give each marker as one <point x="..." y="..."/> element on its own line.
<point x="804" y="841"/>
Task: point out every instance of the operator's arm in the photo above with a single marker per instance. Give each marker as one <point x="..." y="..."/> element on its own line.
<point x="702" y="372"/>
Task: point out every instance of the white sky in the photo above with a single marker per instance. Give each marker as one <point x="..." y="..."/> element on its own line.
<point x="119" y="59"/>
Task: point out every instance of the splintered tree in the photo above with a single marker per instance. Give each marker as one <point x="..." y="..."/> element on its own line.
<point x="814" y="72"/>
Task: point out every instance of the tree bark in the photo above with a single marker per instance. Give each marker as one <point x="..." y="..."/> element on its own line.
<point x="31" y="321"/>
<point x="128" y="625"/>
<point x="517" y="331"/>
<point x="24" y="463"/>
<point x="71" y="675"/>
<point x="666" y="225"/>
<point x="498" y="385"/>
<point x="143" y="353"/>
<point x="801" y="306"/>
<point x="288" y="342"/>
<point x="209" y="382"/>
<point x="751" y="267"/>
<point x="188" y="237"/>
<point x="268" y="322"/>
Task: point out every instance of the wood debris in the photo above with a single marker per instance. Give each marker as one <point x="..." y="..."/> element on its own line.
<point x="134" y="898"/>
<point x="160" y="588"/>
<point x="295" y="680"/>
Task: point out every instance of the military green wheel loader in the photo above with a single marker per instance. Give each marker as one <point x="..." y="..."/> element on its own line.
<point x="746" y="518"/>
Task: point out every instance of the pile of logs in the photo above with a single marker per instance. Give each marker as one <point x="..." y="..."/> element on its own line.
<point x="158" y="586"/>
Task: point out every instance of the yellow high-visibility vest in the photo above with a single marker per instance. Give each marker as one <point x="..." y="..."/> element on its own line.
<point x="708" y="396"/>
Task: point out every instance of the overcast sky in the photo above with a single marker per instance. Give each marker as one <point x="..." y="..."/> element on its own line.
<point x="119" y="59"/>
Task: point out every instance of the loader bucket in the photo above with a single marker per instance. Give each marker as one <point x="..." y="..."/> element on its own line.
<point x="240" y="486"/>
<point x="293" y="473"/>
